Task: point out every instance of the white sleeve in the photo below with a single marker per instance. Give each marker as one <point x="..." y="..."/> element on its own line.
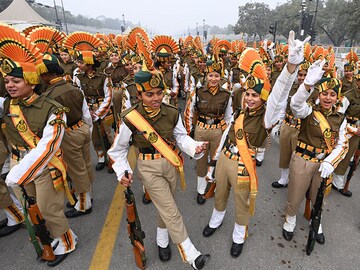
<point x="222" y="142"/>
<point x="86" y="114"/>
<point x="341" y="148"/>
<point x="2" y="100"/>
<point x="104" y="107"/>
<point x="175" y="88"/>
<point x="126" y="100"/>
<point x="119" y="151"/>
<point x="278" y="97"/>
<point x="189" y="111"/>
<point x="38" y="158"/>
<point x="300" y="108"/>
<point x="185" y="142"/>
<point x="228" y="111"/>
<point x="344" y="105"/>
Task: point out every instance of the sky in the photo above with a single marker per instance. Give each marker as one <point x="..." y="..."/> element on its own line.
<point x="160" y="16"/>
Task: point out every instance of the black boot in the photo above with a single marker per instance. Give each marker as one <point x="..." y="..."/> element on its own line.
<point x="236" y="249"/>
<point x="164" y="253"/>
<point x="200" y="261"/>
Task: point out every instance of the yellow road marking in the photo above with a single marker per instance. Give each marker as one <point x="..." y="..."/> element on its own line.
<point x="104" y="249"/>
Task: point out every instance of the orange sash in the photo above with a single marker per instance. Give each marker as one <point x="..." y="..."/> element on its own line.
<point x="57" y="166"/>
<point x="248" y="161"/>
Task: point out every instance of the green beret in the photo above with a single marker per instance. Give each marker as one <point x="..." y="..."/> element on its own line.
<point x="146" y="80"/>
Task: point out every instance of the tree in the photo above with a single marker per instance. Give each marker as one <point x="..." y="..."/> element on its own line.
<point x="253" y="18"/>
<point x="337" y="28"/>
<point x="4" y="4"/>
<point x="288" y="17"/>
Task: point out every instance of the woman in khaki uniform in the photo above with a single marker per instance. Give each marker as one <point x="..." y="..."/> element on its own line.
<point x="235" y="157"/>
<point x="322" y="143"/>
<point x="35" y="126"/>
<point x="210" y="105"/>
<point x="156" y="129"/>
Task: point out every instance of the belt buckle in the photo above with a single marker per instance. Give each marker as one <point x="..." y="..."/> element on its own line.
<point x="320" y="156"/>
<point x="210" y="121"/>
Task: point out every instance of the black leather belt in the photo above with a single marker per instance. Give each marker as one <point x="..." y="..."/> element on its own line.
<point x="211" y="121"/>
<point x="149" y="150"/>
<point x="311" y="154"/>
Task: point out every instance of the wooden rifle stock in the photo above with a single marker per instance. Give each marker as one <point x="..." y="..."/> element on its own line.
<point x="147" y="195"/>
<point x="40" y="228"/>
<point x="353" y="168"/>
<point x="316" y="217"/>
<point x="136" y="234"/>
<point x="210" y="190"/>
<point x="307" y="211"/>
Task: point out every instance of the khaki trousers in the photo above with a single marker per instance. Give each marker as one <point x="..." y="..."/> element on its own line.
<point x="76" y="150"/>
<point x="213" y="136"/>
<point x="49" y="201"/>
<point x="226" y="177"/>
<point x="353" y="146"/>
<point x="302" y="175"/>
<point x="288" y="141"/>
<point x="159" y="178"/>
<point x="97" y="140"/>
<point x="5" y="199"/>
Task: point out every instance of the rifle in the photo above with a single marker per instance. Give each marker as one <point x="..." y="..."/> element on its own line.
<point x="316" y="217"/>
<point x="353" y="166"/>
<point x="211" y="185"/>
<point x="307" y="211"/>
<point x="47" y="253"/>
<point x="136" y="234"/>
<point x="104" y="141"/>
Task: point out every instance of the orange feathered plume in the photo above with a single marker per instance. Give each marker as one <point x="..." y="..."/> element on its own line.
<point x="45" y="37"/>
<point x="224" y="44"/>
<point x="27" y="30"/>
<point x="15" y="46"/>
<point x="131" y="38"/>
<point x="164" y="42"/>
<point x="81" y="41"/>
<point x="189" y="42"/>
<point x="144" y="51"/>
<point x="198" y="44"/>
<point x="264" y="55"/>
<point x="307" y="52"/>
<point x="352" y="57"/>
<point x="319" y="53"/>
<point x="251" y="62"/>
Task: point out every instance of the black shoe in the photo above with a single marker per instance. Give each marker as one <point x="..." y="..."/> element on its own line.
<point x="73" y="213"/>
<point x="287" y="235"/>
<point x="200" y="261"/>
<point x="278" y="185"/>
<point x="58" y="260"/>
<point x="236" y="250"/>
<point x="207" y="232"/>
<point x="258" y="163"/>
<point x="6" y="230"/>
<point x="144" y="200"/>
<point x="346" y="193"/>
<point x="200" y="199"/>
<point x="164" y="253"/>
<point x="3" y="223"/>
<point x="320" y="238"/>
<point x="100" y="166"/>
<point x="69" y="205"/>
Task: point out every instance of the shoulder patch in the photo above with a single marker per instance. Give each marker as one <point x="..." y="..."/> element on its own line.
<point x="124" y="113"/>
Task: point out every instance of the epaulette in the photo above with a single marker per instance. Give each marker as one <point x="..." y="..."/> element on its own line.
<point x="61" y="110"/>
<point x="124" y="113"/>
<point x="58" y="121"/>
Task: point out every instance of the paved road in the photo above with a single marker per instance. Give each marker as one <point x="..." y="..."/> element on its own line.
<point x="264" y="249"/>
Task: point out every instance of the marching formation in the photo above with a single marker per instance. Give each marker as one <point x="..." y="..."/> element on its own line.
<point x="61" y="93"/>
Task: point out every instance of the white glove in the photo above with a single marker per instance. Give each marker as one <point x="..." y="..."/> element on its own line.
<point x="11" y="183"/>
<point x="276" y="130"/>
<point x="209" y="175"/>
<point x="315" y="72"/>
<point x="326" y="169"/>
<point x="296" y="49"/>
<point x="236" y="86"/>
